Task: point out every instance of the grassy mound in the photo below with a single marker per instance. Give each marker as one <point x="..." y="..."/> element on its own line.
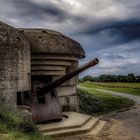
<point x="15" y="126"/>
<point x="96" y="103"/>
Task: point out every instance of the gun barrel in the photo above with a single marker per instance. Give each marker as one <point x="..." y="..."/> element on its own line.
<point x="64" y="78"/>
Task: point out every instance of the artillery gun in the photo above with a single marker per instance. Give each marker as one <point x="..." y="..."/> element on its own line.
<point x="44" y="104"/>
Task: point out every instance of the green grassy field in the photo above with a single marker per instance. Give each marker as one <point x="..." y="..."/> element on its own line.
<point x="121" y="85"/>
<point x="130" y="88"/>
<point x="95" y="102"/>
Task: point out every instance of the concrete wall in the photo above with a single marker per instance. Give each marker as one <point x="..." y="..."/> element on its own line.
<point x="24" y="66"/>
<point x="14" y="64"/>
<point x="69" y="103"/>
<point x="67" y="92"/>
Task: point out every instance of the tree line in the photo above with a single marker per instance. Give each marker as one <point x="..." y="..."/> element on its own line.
<point x="112" y="78"/>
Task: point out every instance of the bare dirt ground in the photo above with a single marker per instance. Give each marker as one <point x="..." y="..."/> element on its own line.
<point x="122" y="125"/>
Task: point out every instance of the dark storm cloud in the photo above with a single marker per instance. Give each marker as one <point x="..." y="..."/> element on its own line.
<point x="122" y="31"/>
<point x="27" y="8"/>
<point x="114" y="57"/>
<point x="107" y="29"/>
<point x="125" y="31"/>
<point x="26" y="11"/>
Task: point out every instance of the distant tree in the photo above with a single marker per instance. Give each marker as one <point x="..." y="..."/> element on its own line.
<point x="102" y="78"/>
<point x="122" y="78"/>
<point x="107" y="78"/>
<point x="138" y="79"/>
<point x="87" y="78"/>
<point x="112" y="78"/>
<point x="131" y="78"/>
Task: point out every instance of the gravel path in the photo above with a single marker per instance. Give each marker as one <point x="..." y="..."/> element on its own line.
<point x="136" y="99"/>
<point x="123" y="125"/>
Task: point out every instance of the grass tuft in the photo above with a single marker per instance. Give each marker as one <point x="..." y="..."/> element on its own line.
<point x="15" y="126"/>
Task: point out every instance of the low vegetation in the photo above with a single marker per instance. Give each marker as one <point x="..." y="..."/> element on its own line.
<point x="15" y="126"/>
<point x="96" y="103"/>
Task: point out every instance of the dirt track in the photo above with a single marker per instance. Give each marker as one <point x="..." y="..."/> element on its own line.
<point x="123" y="125"/>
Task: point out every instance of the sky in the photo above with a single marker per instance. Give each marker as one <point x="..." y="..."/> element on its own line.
<point x="106" y="29"/>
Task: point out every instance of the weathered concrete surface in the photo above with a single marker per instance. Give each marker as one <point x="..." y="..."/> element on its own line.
<point x="44" y="41"/>
<point x="76" y="123"/>
<point x="66" y="123"/>
<point x="14" y="64"/>
<point x="69" y="103"/>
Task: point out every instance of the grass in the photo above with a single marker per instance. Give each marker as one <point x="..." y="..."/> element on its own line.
<point x="15" y="126"/>
<point x="120" y="85"/>
<point x="130" y="88"/>
<point x="21" y="136"/>
<point x="96" y="103"/>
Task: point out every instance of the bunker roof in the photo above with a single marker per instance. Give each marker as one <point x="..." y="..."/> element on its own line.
<point x="11" y="39"/>
<point x="44" y="41"/>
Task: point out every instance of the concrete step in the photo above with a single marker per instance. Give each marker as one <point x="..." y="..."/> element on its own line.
<point x="74" y="120"/>
<point x="97" y="129"/>
<point x="89" y="125"/>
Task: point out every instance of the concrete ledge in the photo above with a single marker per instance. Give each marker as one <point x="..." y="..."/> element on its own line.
<point x="77" y="123"/>
<point x="98" y="128"/>
<point x="75" y="120"/>
<point x="73" y="131"/>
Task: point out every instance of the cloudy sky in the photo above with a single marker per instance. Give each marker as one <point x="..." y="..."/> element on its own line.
<point x="107" y="29"/>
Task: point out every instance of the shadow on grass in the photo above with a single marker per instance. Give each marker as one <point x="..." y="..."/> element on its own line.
<point x="96" y="103"/>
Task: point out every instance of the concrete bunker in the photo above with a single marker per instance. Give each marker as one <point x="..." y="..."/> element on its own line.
<point x="39" y="71"/>
<point x="52" y="56"/>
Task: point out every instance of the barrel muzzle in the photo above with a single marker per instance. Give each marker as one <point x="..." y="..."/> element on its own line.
<point x="94" y="62"/>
